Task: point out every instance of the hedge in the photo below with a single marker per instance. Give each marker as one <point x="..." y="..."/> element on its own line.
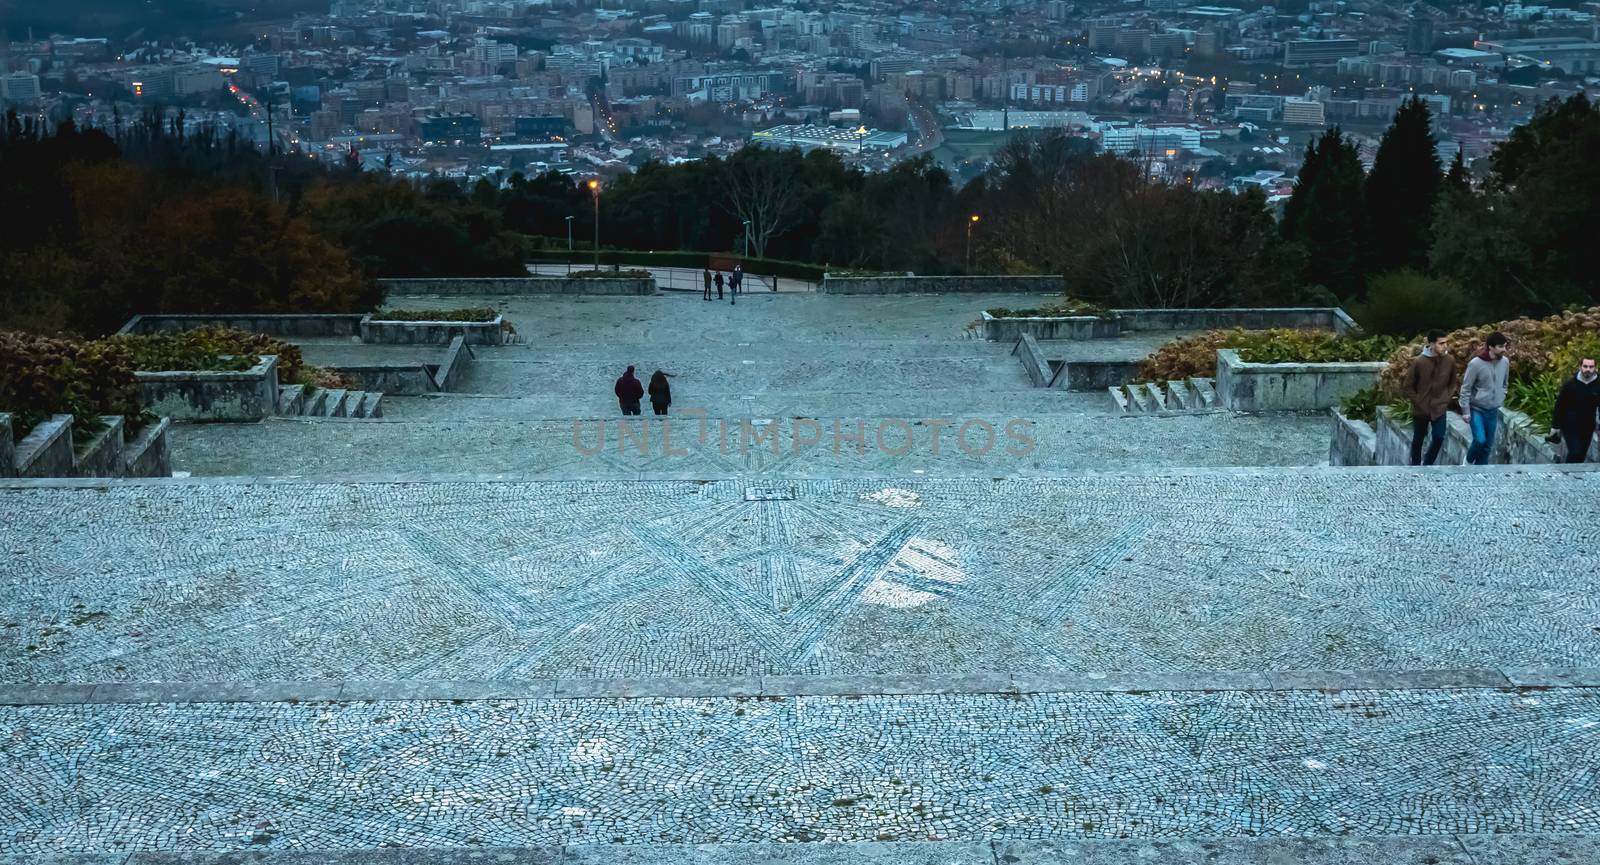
<point x="1197" y="356"/>
<point x="40" y="377"/>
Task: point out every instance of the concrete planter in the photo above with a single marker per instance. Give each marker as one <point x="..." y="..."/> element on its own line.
<point x="335" y="324"/>
<point x="1050" y="327"/>
<point x="383" y="332"/>
<point x="532" y="285"/>
<point x="942" y="284"/>
<point x="1097" y="375"/>
<point x="213" y="395"/>
<point x="1260" y="387"/>
<point x="1355" y="442"/>
<point x="46" y="451"/>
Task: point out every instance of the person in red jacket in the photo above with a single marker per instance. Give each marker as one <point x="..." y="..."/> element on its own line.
<point x="629" y="391"/>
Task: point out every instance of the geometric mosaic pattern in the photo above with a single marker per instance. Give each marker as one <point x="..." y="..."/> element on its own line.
<point x="1305" y="570"/>
<point x="651" y="771"/>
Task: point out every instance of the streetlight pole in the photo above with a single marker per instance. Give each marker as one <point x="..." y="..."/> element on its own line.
<point x="747" y="238"/>
<point x="971" y="221"/>
<point x="594" y="187"/>
<point x="569" y="233"/>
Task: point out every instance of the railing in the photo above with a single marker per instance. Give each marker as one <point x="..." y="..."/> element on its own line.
<point x="687" y="279"/>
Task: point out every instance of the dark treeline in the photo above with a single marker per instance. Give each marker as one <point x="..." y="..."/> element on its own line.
<point x="102" y="224"/>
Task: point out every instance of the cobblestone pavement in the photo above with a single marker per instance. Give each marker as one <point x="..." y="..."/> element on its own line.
<point x="955" y="767"/>
<point x="1205" y="571"/>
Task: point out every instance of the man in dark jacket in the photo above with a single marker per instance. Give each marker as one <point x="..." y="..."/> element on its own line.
<point x="1577" y="409"/>
<point x="705" y="276"/>
<point x="1428" y="385"/>
<point x="629" y="391"/>
<point x="718" y="280"/>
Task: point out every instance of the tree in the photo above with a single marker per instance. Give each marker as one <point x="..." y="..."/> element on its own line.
<point x="1555" y="123"/>
<point x="1326" y="215"/>
<point x="1459" y="178"/>
<point x="1401" y="191"/>
<point x="760" y="186"/>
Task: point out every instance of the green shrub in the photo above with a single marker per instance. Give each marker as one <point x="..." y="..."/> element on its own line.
<point x="211" y="348"/>
<point x="40" y="376"/>
<point x="1406" y="303"/>
<point x="1535" y="397"/>
<point x="473" y="314"/>
<point x="1361" y="405"/>
<point x="1196" y="356"/>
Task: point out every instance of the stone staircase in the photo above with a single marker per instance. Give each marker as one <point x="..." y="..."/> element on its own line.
<point x="294" y="401"/>
<point x="1188" y="396"/>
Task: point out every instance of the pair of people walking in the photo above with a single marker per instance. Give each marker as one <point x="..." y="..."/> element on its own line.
<point x="1482" y="392"/>
<point x="734" y="282"/>
<point x="630" y="392"/>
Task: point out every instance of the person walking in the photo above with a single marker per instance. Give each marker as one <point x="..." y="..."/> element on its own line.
<point x="718" y="280"/>
<point x="1427" y="385"/>
<point x="629" y="391"/>
<point x="705" y="276"/>
<point x="1483" y="391"/>
<point x="1577" y="410"/>
<point x="660" y="391"/>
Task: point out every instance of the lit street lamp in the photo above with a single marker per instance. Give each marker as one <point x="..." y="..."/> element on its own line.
<point x="594" y="187"/>
<point x="971" y="221"/>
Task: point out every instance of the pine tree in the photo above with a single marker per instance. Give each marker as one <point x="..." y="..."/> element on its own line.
<point x="1327" y="216"/>
<point x="1401" y="191"/>
<point x="1458" y="179"/>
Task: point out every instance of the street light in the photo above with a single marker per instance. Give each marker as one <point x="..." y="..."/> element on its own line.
<point x="971" y="221"/>
<point x="747" y="237"/>
<point x="594" y="188"/>
<point x="569" y="234"/>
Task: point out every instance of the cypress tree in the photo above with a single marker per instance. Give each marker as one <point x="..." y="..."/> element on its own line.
<point x="1458" y="178"/>
<point x="1326" y="215"/>
<point x="1402" y="189"/>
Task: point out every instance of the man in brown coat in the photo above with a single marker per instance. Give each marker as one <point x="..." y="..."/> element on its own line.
<point x="1428" y="384"/>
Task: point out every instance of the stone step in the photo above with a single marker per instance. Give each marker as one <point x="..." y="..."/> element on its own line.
<point x="1158" y="399"/>
<point x="315" y="404"/>
<point x="1120" y="397"/>
<point x="371" y="405"/>
<point x="291" y="400"/>
<point x="1140" y="399"/>
<point x="1180" y="397"/>
<point x="336" y="404"/>
<point x="1205" y="387"/>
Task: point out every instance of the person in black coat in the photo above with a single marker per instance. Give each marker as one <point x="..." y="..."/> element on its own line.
<point x="1577" y="409"/>
<point x="629" y="391"/>
<point x="660" y="391"/>
<point x="718" y="280"/>
<point x="705" y="276"/>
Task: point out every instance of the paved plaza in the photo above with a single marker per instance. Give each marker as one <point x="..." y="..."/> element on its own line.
<point x="504" y="625"/>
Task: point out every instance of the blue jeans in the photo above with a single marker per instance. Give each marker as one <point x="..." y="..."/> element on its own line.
<point x="1485" y="423"/>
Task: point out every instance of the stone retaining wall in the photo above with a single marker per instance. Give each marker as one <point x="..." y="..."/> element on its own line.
<point x="1261" y="387"/>
<point x="1126" y="320"/>
<point x="213" y="395"/>
<point x="1097" y="374"/>
<point x="49" y="451"/>
<point x="532" y="285"/>
<point x="942" y="285"/>
<point x="46" y="451"/>
<point x="1033" y="360"/>
<point x="1048" y="327"/>
<point x="1253" y="318"/>
<point x="1517" y="443"/>
<point x="335" y="324"/>
<point x="377" y="331"/>
<point x="455" y="361"/>
<point x="1355" y="442"/>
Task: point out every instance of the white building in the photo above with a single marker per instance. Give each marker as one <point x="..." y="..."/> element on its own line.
<point x="20" y="87"/>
